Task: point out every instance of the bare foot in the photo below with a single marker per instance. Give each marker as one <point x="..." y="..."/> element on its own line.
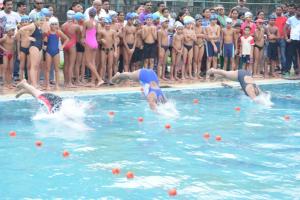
<point x="20" y="85"/>
<point x="100" y="83"/>
<point x="115" y="79"/>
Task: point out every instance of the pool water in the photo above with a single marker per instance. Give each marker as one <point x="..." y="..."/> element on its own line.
<point x="258" y="156"/>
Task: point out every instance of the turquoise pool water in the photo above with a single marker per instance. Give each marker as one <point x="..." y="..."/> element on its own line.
<point x="257" y="158"/>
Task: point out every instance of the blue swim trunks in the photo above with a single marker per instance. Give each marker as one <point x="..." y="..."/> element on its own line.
<point x="210" y="49"/>
<point x="228" y="50"/>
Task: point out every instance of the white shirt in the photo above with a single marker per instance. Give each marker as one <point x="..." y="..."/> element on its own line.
<point x="294" y="23"/>
<point x="34" y="11"/>
<point x="12" y="18"/>
<point x="247" y="43"/>
<point x="87" y="16"/>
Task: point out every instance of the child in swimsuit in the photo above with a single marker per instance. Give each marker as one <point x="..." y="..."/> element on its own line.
<point x="52" y="51"/>
<point x="243" y="77"/>
<point x="163" y="43"/>
<point x="177" y="51"/>
<point x="258" y="46"/>
<point x="23" y="46"/>
<point x="7" y="43"/>
<point x="149" y="82"/>
<point x="188" y="47"/>
<point x="129" y="39"/>
<point x="51" y="101"/>
<point x="213" y="44"/>
<point x="108" y="51"/>
<point x="199" y="46"/>
<point x="228" y="44"/>
<point x="149" y="35"/>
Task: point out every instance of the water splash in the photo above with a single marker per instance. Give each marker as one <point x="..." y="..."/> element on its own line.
<point x="68" y="123"/>
<point x="168" y="110"/>
<point x="264" y="98"/>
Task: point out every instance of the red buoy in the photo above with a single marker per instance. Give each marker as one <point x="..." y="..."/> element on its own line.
<point x="66" y="154"/>
<point x="130" y="175"/>
<point x="38" y="143"/>
<point x="140" y="119"/>
<point x="218" y="138"/>
<point x="206" y="136"/>
<point x="196" y="101"/>
<point x="286" y="117"/>
<point x="238" y="109"/>
<point x="111" y="113"/>
<point x="172" y="192"/>
<point x="12" y="134"/>
<point x="116" y="171"/>
<point x="167" y="126"/>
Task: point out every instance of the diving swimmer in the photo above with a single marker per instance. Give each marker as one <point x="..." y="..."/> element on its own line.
<point x="243" y="77"/>
<point x="51" y="101"/>
<point x="149" y="81"/>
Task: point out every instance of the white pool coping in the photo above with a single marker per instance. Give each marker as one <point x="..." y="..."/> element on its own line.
<point x="136" y="89"/>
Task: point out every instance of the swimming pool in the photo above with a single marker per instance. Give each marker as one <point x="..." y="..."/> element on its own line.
<point x="258" y="156"/>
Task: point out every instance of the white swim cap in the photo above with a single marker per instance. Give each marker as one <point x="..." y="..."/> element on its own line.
<point x="70" y="14"/>
<point x="248" y="14"/>
<point x="228" y="21"/>
<point x="53" y="20"/>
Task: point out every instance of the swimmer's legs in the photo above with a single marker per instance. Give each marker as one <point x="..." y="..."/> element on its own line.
<point x="119" y="77"/>
<point x="231" y="75"/>
<point x="25" y="88"/>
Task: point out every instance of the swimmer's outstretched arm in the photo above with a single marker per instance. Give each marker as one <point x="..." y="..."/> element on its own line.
<point x="231" y="75"/>
<point x="119" y="77"/>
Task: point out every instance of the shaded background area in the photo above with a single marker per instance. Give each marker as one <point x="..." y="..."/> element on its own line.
<point x="195" y="7"/>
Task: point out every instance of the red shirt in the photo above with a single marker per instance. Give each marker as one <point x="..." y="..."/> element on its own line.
<point x="280" y="23"/>
<point x="251" y="25"/>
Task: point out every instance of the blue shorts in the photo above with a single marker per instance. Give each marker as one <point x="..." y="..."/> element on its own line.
<point x="228" y="50"/>
<point x="210" y="49"/>
<point x="245" y="59"/>
<point x="273" y="51"/>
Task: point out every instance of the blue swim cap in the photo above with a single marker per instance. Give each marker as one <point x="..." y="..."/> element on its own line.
<point x="155" y="16"/>
<point x="213" y="17"/>
<point x="129" y="16"/>
<point x="25" y="18"/>
<point x="45" y="12"/>
<point x="93" y="12"/>
<point x="134" y="14"/>
<point x="107" y="20"/>
<point x="79" y="16"/>
<point x="149" y="16"/>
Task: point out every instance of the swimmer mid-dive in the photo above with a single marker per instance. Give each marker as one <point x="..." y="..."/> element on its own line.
<point x="149" y="81"/>
<point x="51" y="101"/>
<point x="243" y="77"/>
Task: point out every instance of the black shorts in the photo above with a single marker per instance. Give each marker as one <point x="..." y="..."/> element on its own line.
<point x="150" y="50"/>
<point x="1" y="59"/>
<point x="273" y="51"/>
<point x="79" y="47"/>
<point x="51" y="101"/>
<point x="137" y="55"/>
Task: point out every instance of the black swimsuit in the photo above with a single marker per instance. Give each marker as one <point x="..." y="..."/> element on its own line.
<point x="241" y="78"/>
<point x="38" y="36"/>
<point x="165" y="47"/>
<point x="188" y="47"/>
